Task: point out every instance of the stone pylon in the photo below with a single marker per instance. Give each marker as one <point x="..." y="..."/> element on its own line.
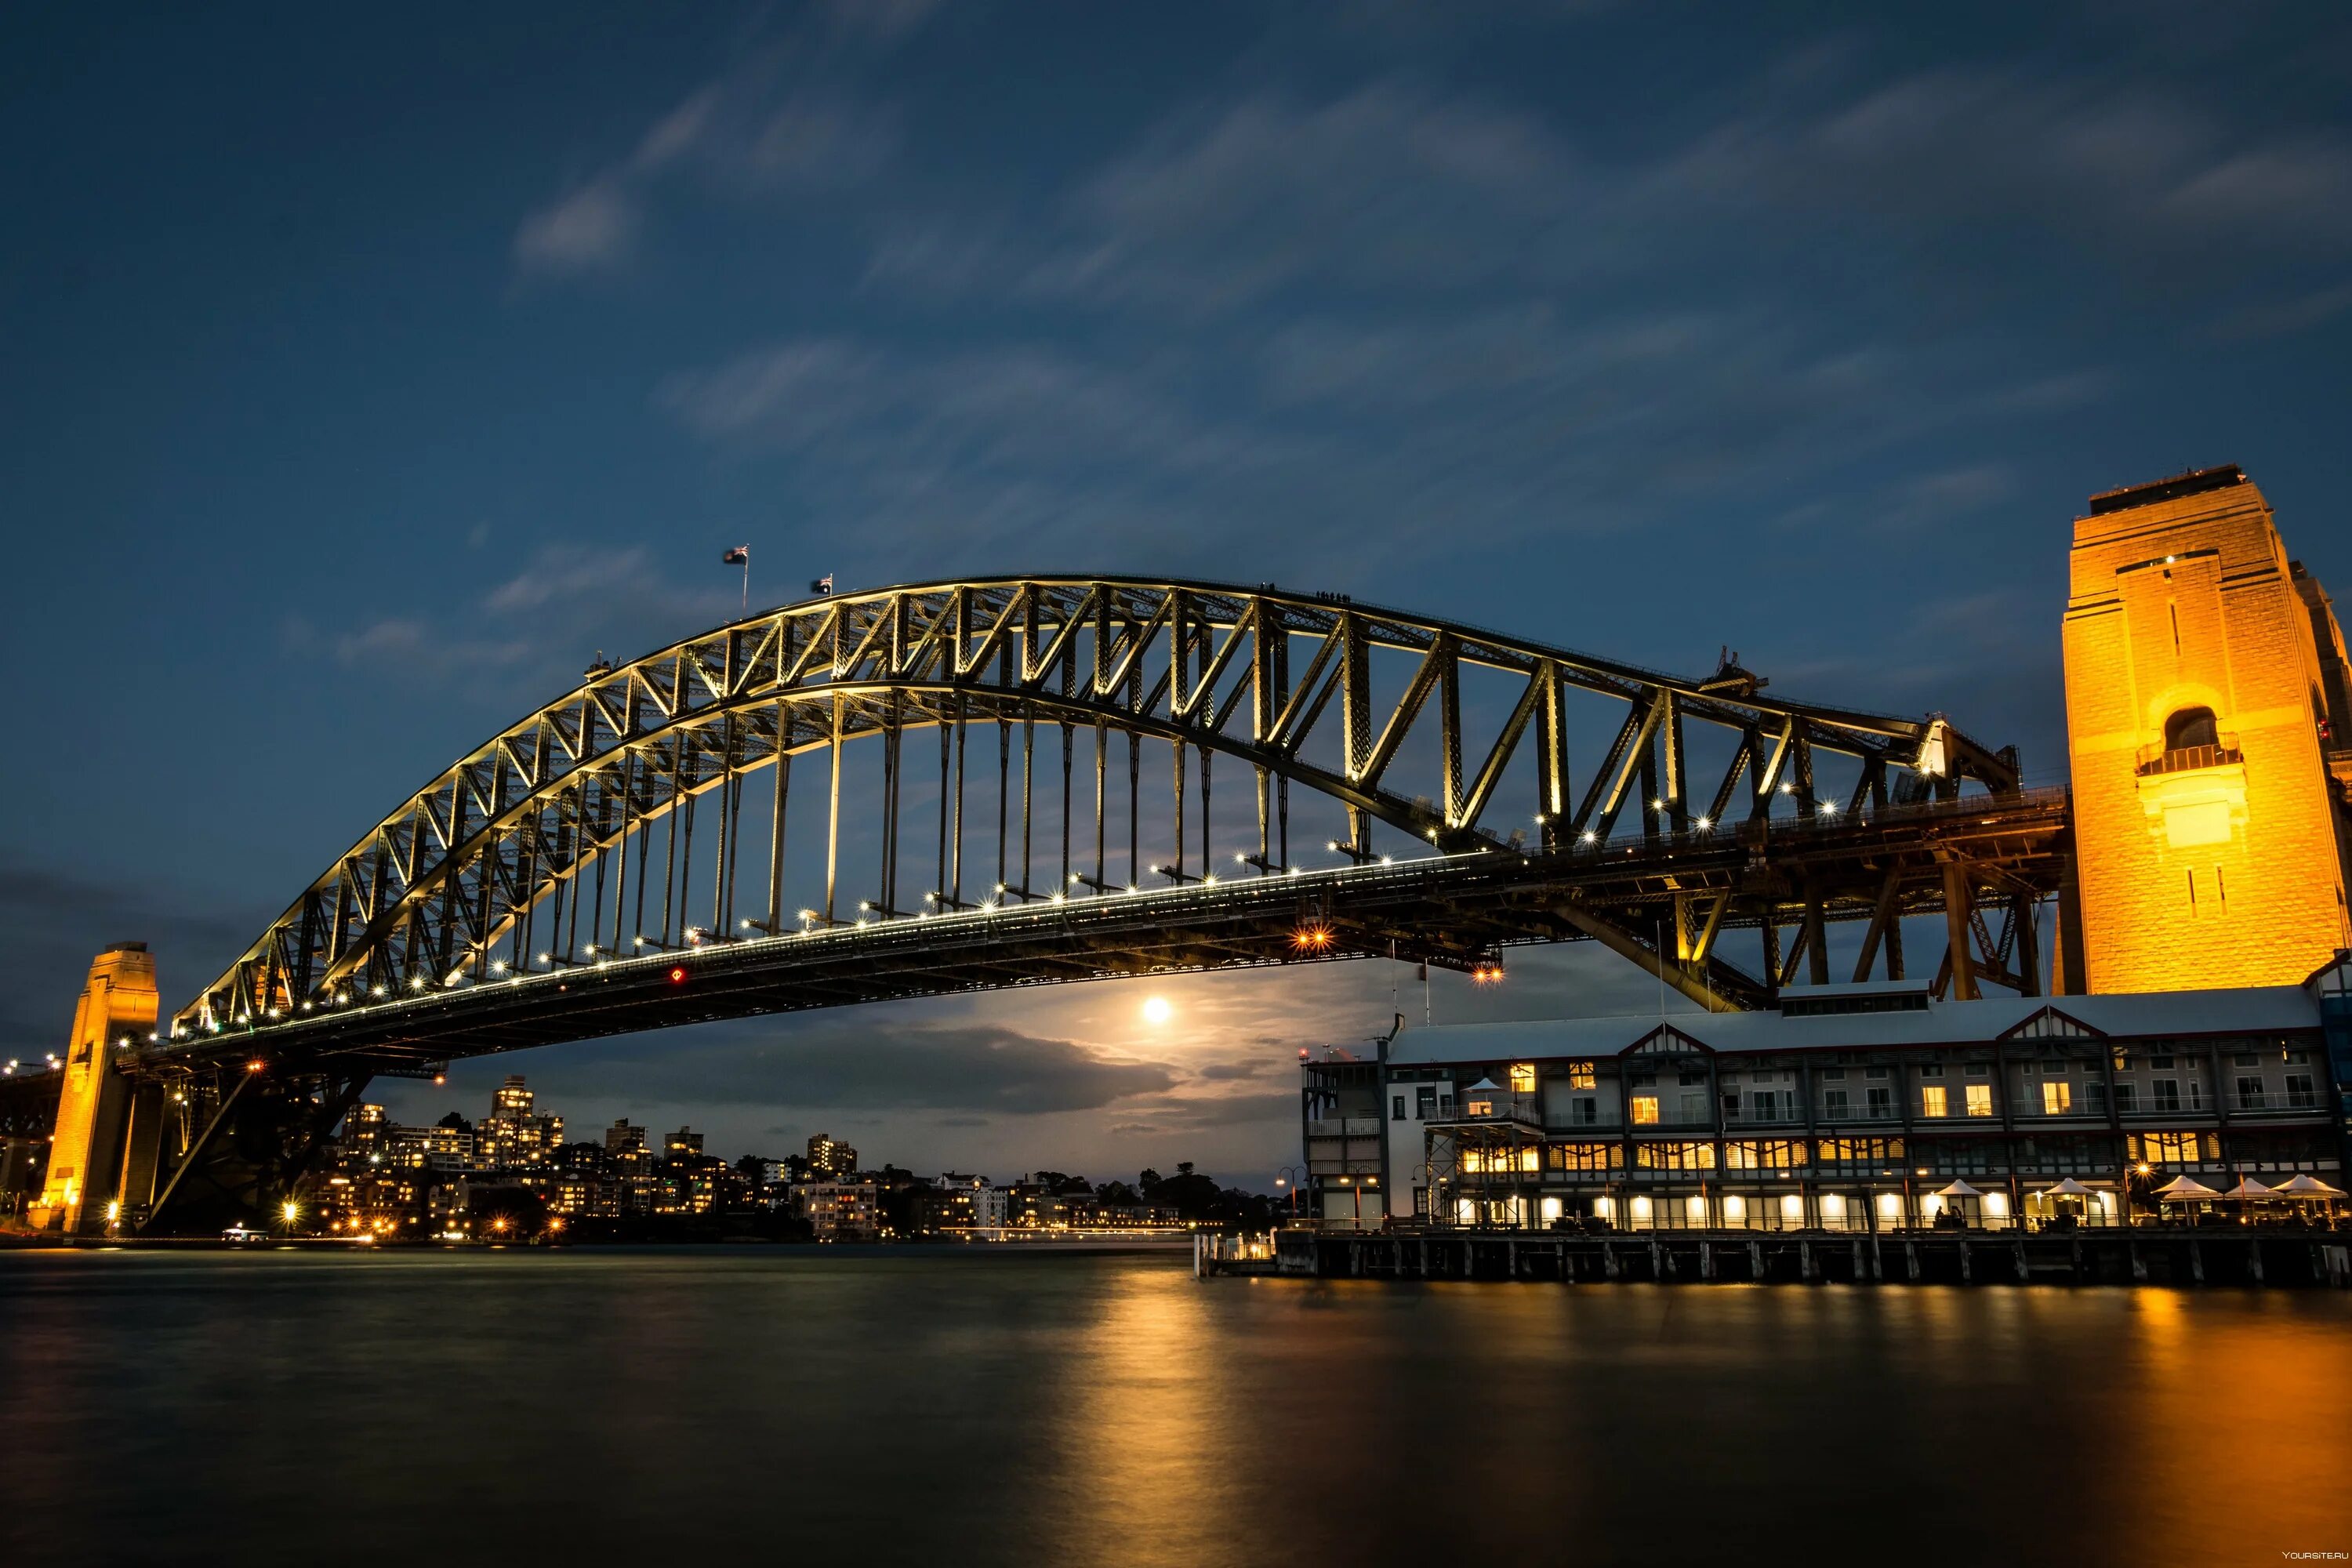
<point x="118" y="1009"/>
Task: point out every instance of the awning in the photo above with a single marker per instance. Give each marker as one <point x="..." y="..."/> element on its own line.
<point x="2069" y="1188"/>
<point x="1958" y="1190"/>
<point x="2185" y="1190"/>
<point x="2306" y="1187"/>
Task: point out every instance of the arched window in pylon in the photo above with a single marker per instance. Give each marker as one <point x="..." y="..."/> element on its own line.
<point x="2190" y="728"/>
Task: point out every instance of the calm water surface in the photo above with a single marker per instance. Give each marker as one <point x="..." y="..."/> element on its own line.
<point x="783" y="1405"/>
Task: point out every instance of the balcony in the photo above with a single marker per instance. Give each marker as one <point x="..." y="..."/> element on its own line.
<point x="2268" y="1099"/>
<point x="1349" y="1145"/>
<point x="2155" y="761"/>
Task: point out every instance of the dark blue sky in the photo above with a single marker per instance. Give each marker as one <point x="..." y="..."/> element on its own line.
<point x="361" y="375"/>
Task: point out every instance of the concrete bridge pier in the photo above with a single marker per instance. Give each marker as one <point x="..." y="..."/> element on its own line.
<point x="92" y="1145"/>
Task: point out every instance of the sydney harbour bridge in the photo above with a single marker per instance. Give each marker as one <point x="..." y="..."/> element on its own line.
<point x="983" y="785"/>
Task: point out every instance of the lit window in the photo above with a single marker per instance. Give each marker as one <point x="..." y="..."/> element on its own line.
<point x="1980" y="1098"/>
<point x="1523" y="1077"/>
<point x="1480" y="1108"/>
<point x="2057" y="1097"/>
<point x="1645" y="1109"/>
<point x="1579" y="1075"/>
<point x="1931" y="1100"/>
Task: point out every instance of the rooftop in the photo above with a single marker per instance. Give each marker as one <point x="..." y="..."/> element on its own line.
<point x="2193" y="482"/>
<point x="2171" y="1015"/>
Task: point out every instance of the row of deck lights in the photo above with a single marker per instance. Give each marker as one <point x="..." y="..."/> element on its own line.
<point x="695" y="938"/>
<point x="867" y="911"/>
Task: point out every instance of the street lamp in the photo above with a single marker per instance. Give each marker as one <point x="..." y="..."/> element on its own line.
<point x="1290" y="1176"/>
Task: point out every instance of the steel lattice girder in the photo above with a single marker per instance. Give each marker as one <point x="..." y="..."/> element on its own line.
<point x="1448" y="910"/>
<point x="422" y="897"/>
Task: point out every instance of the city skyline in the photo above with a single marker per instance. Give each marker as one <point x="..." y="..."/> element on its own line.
<point x="567" y="328"/>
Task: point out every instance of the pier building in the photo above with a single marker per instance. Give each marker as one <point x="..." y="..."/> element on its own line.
<point x="1847" y="1108"/>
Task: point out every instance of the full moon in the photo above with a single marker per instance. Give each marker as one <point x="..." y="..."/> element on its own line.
<point x="1156" y="1010"/>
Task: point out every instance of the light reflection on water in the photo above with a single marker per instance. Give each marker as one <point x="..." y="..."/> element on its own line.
<point x="1036" y="1408"/>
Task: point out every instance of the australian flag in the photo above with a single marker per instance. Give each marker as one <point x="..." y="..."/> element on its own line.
<point x="738" y="556"/>
<point x="823" y="584"/>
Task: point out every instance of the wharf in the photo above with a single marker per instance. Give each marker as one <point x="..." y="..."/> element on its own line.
<point x="2094" y="1257"/>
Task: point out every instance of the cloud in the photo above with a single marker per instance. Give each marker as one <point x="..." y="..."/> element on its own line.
<point x="54" y="920"/>
<point x="787" y="121"/>
<point x="2137" y="169"/>
<point x="1231" y="202"/>
<point x="2274" y="318"/>
<point x="1946" y="494"/>
<point x="845" y="1062"/>
<point x="535" y="629"/>
<point x="413" y="647"/>
<point x="566" y="572"/>
<point x="592" y="229"/>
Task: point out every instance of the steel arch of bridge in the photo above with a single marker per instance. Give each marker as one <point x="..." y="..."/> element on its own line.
<point x="540" y="819"/>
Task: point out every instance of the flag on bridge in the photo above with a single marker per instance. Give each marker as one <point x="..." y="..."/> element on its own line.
<point x="823" y="584"/>
<point x="738" y="556"/>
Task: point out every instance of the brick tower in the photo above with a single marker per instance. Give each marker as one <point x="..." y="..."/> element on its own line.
<point x="2204" y="686"/>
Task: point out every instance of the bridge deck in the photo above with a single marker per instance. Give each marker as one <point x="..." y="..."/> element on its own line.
<point x="1450" y="909"/>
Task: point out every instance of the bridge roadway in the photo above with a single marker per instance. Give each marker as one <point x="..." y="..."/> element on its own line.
<point x="1455" y="911"/>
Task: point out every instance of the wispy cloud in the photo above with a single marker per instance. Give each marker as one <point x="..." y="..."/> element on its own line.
<point x="787" y="121"/>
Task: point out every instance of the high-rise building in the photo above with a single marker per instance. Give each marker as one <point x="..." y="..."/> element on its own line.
<point x="829" y="1159"/>
<point x="633" y="1186"/>
<point x="685" y="1143"/>
<point x="2211" y="747"/>
<point x="363" y="1132"/>
<point x="513" y="1137"/>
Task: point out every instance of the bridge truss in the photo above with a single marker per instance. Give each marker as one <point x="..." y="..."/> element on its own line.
<point x="572" y="836"/>
<point x="1014" y="783"/>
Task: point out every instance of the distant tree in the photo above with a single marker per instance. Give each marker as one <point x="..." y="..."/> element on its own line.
<point x="1117" y="1193"/>
<point x="753" y="1168"/>
<point x="455" y="1120"/>
<point x="1149" y="1180"/>
<point x="1193" y="1197"/>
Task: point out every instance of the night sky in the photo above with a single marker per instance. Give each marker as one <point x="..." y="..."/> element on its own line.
<point x="362" y="374"/>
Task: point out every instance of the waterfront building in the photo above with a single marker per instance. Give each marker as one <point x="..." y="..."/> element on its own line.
<point x="685" y="1143"/>
<point x="840" y="1211"/>
<point x="1846" y="1107"/>
<point x="987" y="1206"/>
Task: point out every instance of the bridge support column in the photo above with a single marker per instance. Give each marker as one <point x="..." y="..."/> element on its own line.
<point x="94" y="1101"/>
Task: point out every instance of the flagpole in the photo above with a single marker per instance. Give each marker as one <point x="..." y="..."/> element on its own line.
<point x="747" y="582"/>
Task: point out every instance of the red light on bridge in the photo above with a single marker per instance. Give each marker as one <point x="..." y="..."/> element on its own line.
<point x="1312" y="938"/>
<point x="678" y="975"/>
<point x="1488" y="974"/>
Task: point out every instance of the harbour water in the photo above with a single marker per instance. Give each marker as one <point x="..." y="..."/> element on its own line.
<point x="1020" y="1406"/>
